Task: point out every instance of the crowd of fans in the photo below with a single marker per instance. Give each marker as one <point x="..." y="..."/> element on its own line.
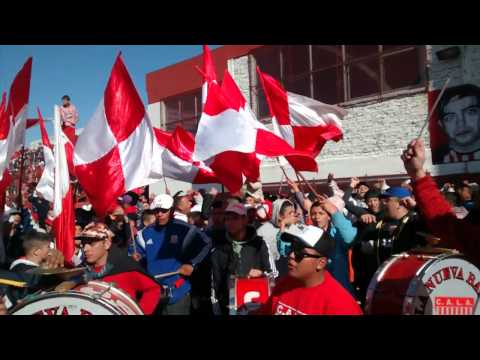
<point x="320" y="250"/>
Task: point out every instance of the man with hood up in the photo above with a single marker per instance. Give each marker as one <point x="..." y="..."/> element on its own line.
<point x="283" y="216"/>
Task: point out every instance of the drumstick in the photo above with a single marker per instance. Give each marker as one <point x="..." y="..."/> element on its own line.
<point x="160" y="276"/>
<point x="433" y="108"/>
<point x="428" y="235"/>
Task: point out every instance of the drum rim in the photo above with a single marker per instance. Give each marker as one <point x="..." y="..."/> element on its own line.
<point x="55" y="294"/>
<point x="116" y="289"/>
<point x="447" y="253"/>
<point x="415" y="282"/>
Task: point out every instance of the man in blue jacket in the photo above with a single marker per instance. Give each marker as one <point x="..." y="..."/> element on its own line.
<point x="171" y="246"/>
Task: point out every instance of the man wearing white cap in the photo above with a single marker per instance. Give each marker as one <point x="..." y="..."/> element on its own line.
<point x="172" y="246"/>
<point x="309" y="289"/>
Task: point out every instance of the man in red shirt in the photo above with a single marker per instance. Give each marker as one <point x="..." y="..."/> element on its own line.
<point x="110" y="266"/>
<point x="309" y="289"/>
<point x="454" y="233"/>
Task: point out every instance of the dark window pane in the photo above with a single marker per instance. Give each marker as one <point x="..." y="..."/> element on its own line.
<point x="188" y="106"/>
<point x="401" y="70"/>
<point x="198" y="95"/>
<point x="360" y="51"/>
<point x="173" y="115"/>
<point x="190" y="125"/>
<point x="170" y="126"/>
<point x="326" y="55"/>
<point x="296" y="59"/>
<point x="263" y="109"/>
<point x="268" y="59"/>
<point x="328" y="86"/>
<point x="387" y="48"/>
<point x="299" y="86"/>
<point x="364" y="78"/>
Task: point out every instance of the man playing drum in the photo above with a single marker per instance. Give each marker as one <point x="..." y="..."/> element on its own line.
<point x="124" y="272"/>
<point x="460" y="234"/>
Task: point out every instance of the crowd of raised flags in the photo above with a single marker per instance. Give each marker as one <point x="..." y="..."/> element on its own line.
<point x="119" y="150"/>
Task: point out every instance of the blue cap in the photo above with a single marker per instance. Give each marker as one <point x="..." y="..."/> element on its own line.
<point x="398" y="192"/>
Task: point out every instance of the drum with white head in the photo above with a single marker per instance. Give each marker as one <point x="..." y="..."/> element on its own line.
<point x="425" y="282"/>
<point x="93" y="298"/>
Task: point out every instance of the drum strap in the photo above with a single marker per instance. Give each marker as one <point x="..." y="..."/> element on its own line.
<point x="395" y="235"/>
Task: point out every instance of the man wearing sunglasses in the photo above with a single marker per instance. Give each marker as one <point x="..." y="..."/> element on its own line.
<point x="309" y="289"/>
<point x="96" y="242"/>
<point x="172" y="247"/>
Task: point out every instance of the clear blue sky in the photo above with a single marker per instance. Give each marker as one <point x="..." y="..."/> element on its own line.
<point x="82" y="72"/>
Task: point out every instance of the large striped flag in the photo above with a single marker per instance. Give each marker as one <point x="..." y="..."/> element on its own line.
<point x="173" y="156"/>
<point x="230" y="139"/>
<point x="114" y="152"/>
<point x="16" y="112"/>
<point x="305" y="123"/>
<point x="63" y="212"/>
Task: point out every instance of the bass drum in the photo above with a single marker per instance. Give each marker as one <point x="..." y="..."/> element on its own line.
<point x="424" y="282"/>
<point x="93" y="298"/>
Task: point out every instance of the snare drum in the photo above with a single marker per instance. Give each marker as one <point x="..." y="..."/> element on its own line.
<point x="435" y="282"/>
<point x="93" y="298"/>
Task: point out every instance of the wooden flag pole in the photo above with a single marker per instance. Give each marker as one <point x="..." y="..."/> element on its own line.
<point x="166" y="186"/>
<point x="308" y="184"/>
<point x="20" y="178"/>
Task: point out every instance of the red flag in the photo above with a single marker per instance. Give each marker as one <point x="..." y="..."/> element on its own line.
<point x="16" y="114"/>
<point x="63" y="211"/>
<point x="114" y="152"/>
<point x="173" y="153"/>
<point x="305" y="123"/>
<point x="231" y="138"/>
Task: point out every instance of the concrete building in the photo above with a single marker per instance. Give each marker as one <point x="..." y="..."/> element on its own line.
<point x="384" y="88"/>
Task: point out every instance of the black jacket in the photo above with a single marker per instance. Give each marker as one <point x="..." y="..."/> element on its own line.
<point x="253" y="255"/>
<point x="393" y="237"/>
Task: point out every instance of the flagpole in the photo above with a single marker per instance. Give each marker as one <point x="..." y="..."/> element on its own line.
<point x="20" y="180"/>
<point x="309" y="185"/>
<point x="166" y="186"/>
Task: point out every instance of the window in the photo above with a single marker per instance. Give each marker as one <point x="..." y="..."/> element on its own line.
<point x="268" y="59"/>
<point x="337" y="74"/>
<point x="184" y="110"/>
<point x="364" y="78"/>
<point x="402" y="68"/>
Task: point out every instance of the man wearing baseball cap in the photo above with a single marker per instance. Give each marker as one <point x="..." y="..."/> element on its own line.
<point x="240" y="252"/>
<point x="309" y="289"/>
<point x="172" y="249"/>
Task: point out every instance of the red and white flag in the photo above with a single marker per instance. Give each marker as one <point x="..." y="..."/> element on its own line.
<point x="46" y="184"/>
<point x="173" y="153"/>
<point x="230" y="139"/>
<point x="4" y="132"/>
<point x="16" y="112"/>
<point x="63" y="211"/>
<point x="114" y="152"/>
<point x="6" y="178"/>
<point x="208" y="72"/>
<point x="305" y="123"/>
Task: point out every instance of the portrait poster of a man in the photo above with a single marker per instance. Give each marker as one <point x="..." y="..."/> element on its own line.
<point x="455" y="127"/>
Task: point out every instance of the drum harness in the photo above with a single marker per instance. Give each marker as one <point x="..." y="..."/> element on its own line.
<point x="394" y="236"/>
